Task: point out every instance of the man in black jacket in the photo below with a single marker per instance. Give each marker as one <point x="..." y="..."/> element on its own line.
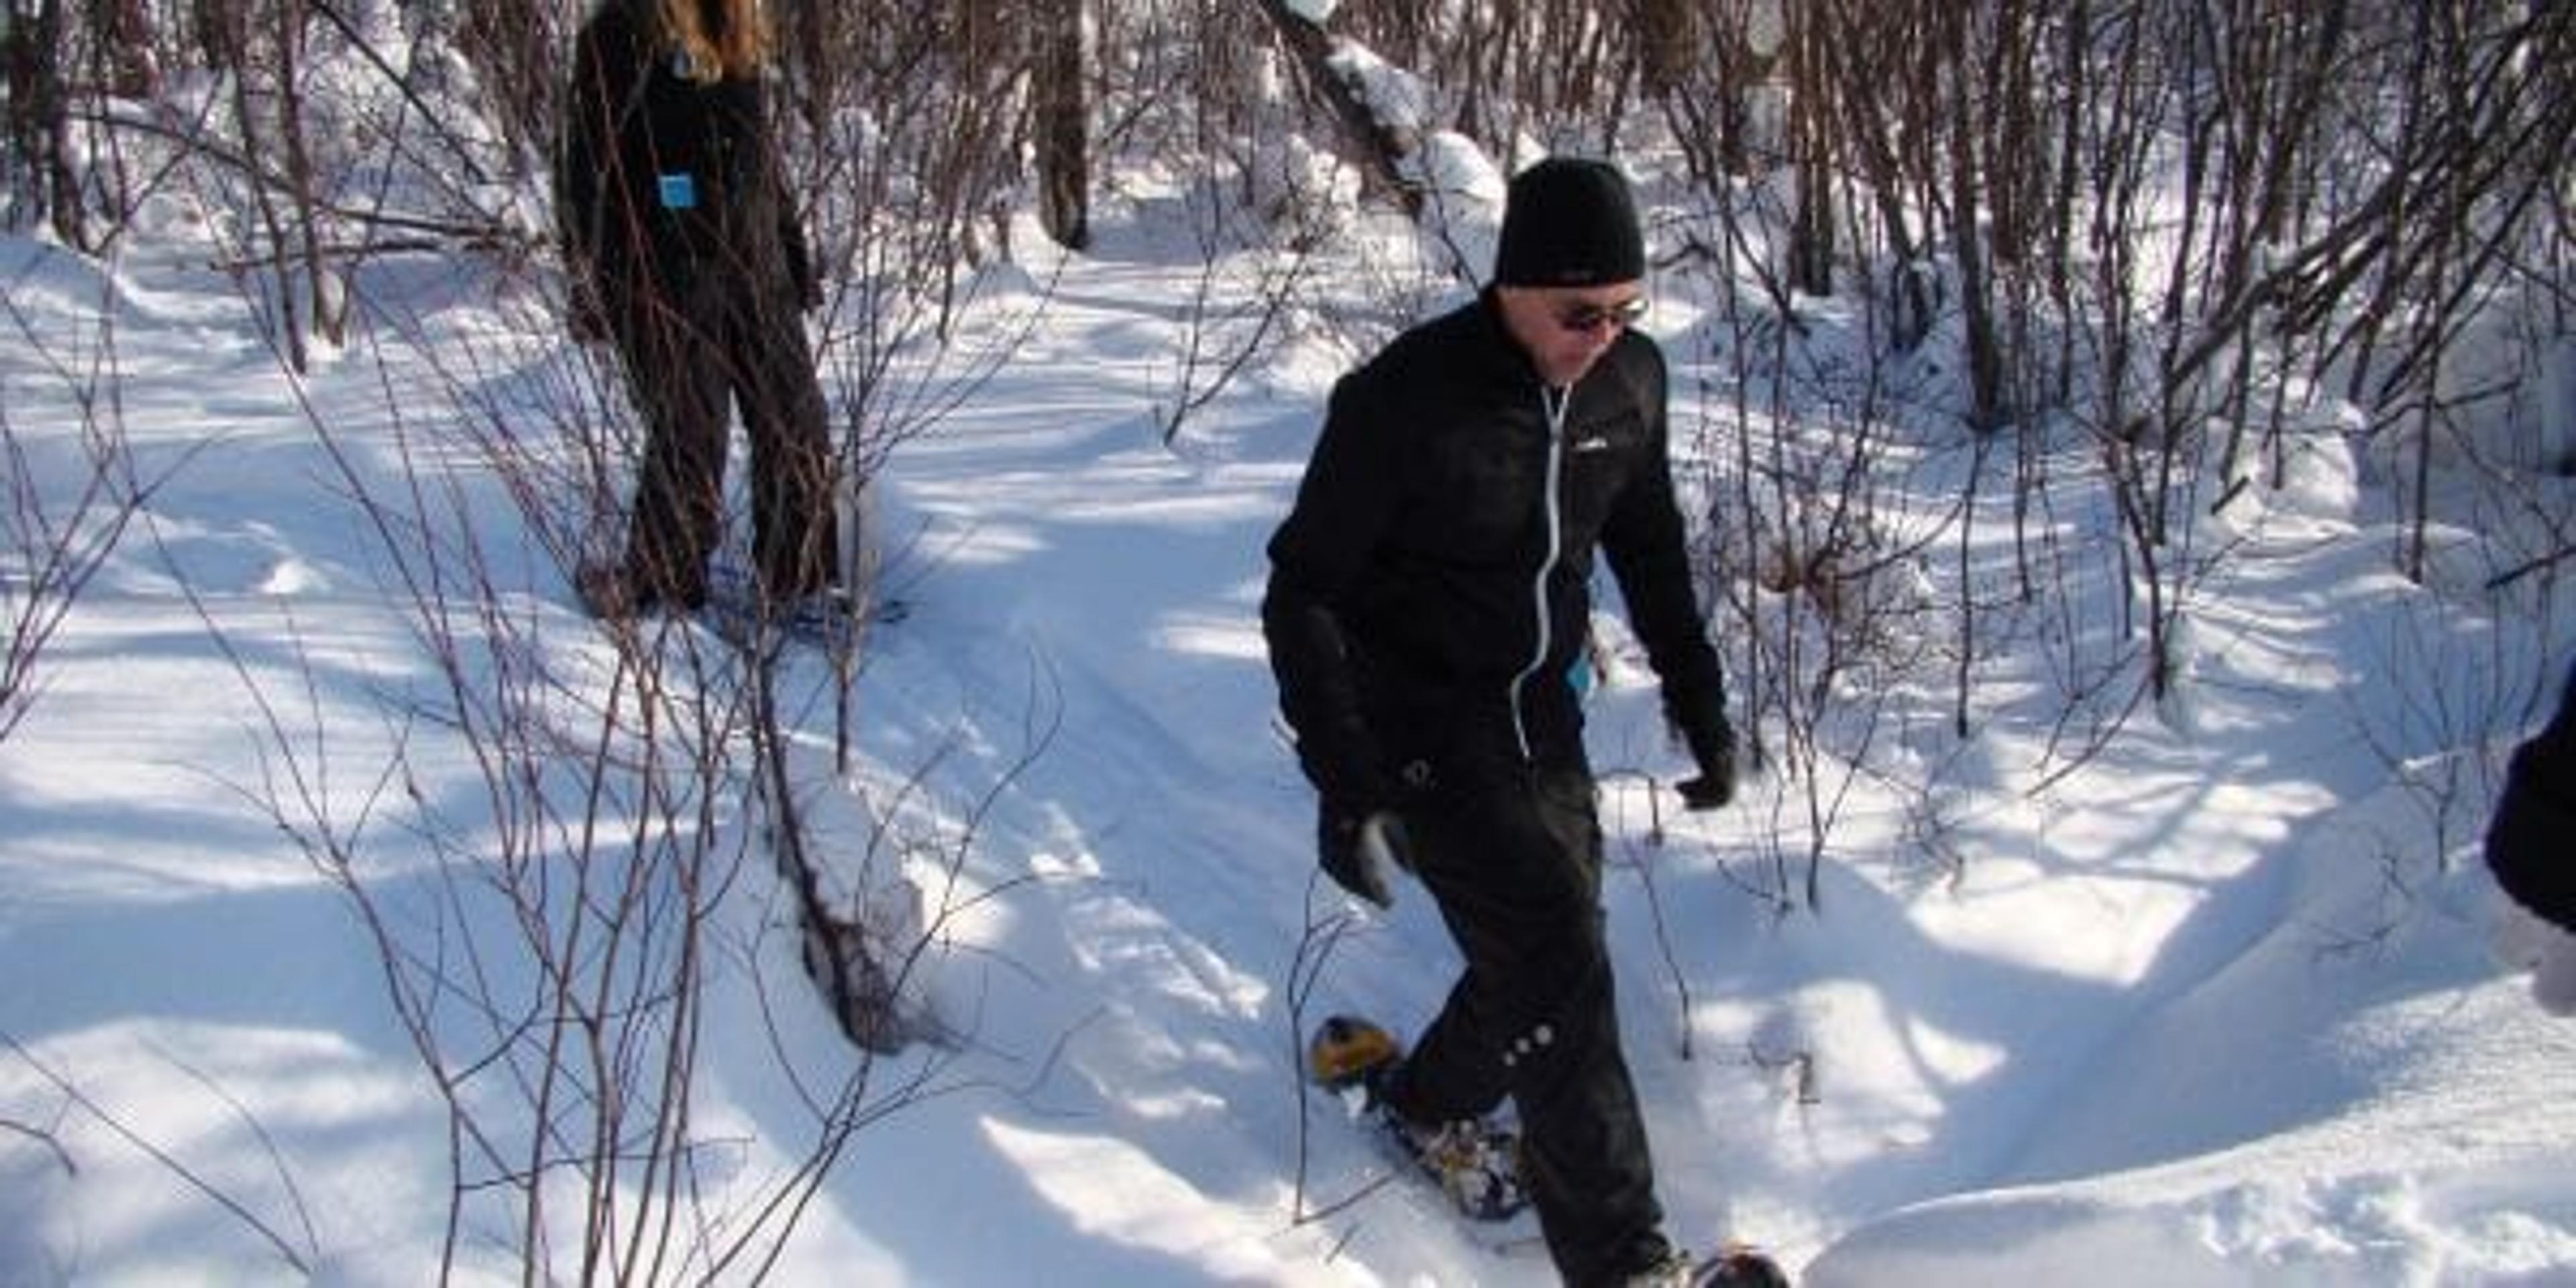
<point x="683" y="248"/>
<point x="1428" y="599"/>
<point x="2531" y="847"/>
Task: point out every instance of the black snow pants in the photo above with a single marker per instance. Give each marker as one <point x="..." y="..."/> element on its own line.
<point x="1515" y="865"/>
<point x="691" y="358"/>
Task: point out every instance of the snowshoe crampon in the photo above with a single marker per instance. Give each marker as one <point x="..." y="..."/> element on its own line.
<point x="1478" y="1165"/>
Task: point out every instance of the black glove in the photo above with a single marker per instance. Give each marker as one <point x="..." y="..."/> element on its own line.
<point x="1715" y="785"/>
<point x="800" y="265"/>
<point x="1361" y="852"/>
<point x="2524" y="941"/>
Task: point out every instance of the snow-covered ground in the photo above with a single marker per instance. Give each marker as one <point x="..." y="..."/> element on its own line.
<point x="2211" y="1007"/>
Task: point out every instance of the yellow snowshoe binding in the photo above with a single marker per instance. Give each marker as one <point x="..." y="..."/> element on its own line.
<point x="1347" y="1050"/>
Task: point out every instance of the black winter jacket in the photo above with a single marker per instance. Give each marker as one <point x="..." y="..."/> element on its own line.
<point x="665" y="182"/>
<point x="1429" y="591"/>
<point x="2531" y="841"/>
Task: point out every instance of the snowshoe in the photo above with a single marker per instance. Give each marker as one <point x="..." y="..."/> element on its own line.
<point x="1739" y="1265"/>
<point x="1475" y="1163"/>
<point x="832" y="619"/>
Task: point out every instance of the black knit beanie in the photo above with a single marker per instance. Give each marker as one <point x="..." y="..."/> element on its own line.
<point x="1569" y="222"/>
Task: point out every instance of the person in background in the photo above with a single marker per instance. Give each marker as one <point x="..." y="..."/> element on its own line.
<point x="2531" y="848"/>
<point x="1427" y="601"/>
<point x="684" y="251"/>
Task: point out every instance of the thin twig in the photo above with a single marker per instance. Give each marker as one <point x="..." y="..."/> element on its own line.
<point x="168" y="1161"/>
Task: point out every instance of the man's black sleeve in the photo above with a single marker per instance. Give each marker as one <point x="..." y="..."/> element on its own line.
<point x="2531" y="841"/>
<point x="1344" y="507"/>
<point x="603" y="78"/>
<point x="1648" y="549"/>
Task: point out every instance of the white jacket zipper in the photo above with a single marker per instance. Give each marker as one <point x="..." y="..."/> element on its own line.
<point x="1555" y="403"/>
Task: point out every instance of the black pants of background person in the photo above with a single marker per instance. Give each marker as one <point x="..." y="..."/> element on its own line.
<point x="1515" y="865"/>
<point x="691" y="360"/>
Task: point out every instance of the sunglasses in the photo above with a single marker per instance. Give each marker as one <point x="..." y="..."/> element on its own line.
<point x="1584" y="319"/>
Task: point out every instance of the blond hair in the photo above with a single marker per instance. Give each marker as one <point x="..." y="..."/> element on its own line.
<point x="737" y="51"/>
